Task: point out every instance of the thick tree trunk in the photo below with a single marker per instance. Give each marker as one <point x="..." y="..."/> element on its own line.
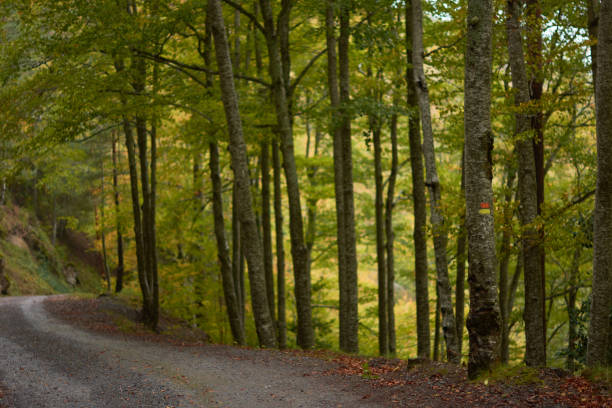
<point x="266" y="224"/>
<point x="253" y="248"/>
<point x="120" y="258"/>
<point x="350" y="304"/>
<point x="440" y="234"/>
<point x="535" y="331"/>
<point x="418" y="198"/>
<point x="599" y="327"/>
<point x="390" y="236"/>
<point x="535" y="74"/>
<point x="299" y="252"/>
<point x="232" y="302"/>
<point x="484" y="323"/>
<point x="280" y="249"/>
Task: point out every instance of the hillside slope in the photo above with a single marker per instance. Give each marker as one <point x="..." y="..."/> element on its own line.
<point x="31" y="265"/>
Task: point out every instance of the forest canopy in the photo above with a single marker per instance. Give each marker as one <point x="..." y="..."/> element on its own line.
<point x="312" y="173"/>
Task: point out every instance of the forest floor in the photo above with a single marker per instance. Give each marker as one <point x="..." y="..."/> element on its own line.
<point x="116" y="362"/>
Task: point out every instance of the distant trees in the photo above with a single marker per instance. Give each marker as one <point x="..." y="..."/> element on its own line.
<point x="329" y="75"/>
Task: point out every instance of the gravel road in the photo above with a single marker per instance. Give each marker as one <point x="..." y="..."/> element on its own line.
<point x="48" y="363"/>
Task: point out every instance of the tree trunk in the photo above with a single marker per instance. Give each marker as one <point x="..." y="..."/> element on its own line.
<point x="383" y="321"/>
<point x="535" y="331"/>
<point x="535" y="75"/>
<point x="483" y="321"/>
<point x="334" y="95"/>
<point x="253" y="248"/>
<point x="280" y="249"/>
<point x="102" y="233"/>
<point x="120" y="260"/>
<point x="571" y="308"/>
<point x="505" y="250"/>
<point x="351" y="299"/>
<point x="593" y="26"/>
<point x="390" y="236"/>
<point x="599" y="327"/>
<point x="440" y="234"/>
<point x="505" y="335"/>
<point x="436" y="346"/>
<point x="460" y="284"/>
<point x="237" y="255"/>
<point x="299" y="252"/>
<point x="232" y="303"/>
<point x="419" y="202"/>
<point x="266" y="224"/>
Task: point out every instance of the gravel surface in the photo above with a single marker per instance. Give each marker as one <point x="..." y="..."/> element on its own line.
<point x="48" y="363"/>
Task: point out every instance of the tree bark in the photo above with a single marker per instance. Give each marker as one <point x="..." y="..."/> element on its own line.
<point x="266" y="224"/>
<point x="535" y="74"/>
<point x="383" y="321"/>
<point x="599" y="327"/>
<point x="120" y="258"/>
<point x="535" y="331"/>
<point x="484" y="318"/>
<point x="440" y="234"/>
<point x="390" y="236"/>
<point x="460" y="284"/>
<point x="334" y="95"/>
<point x="350" y="304"/>
<point x="232" y="302"/>
<point x="280" y="249"/>
<point x="253" y="248"/>
<point x="299" y="252"/>
<point x="102" y="232"/>
<point x="505" y="250"/>
<point x="419" y="202"/>
<point x="571" y="308"/>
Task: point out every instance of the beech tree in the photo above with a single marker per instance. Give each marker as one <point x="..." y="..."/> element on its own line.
<point x="483" y="321"/>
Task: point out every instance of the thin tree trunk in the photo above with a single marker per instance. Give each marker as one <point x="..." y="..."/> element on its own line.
<point x="266" y="224"/>
<point x="390" y="236"/>
<point x="535" y="330"/>
<point x="593" y="27"/>
<point x="440" y="234"/>
<point x="571" y="308"/>
<point x="254" y="252"/>
<point x="598" y="347"/>
<point x="505" y="335"/>
<point x="280" y="249"/>
<point x="232" y="302"/>
<point x="460" y="284"/>
<point x="120" y="258"/>
<point x="237" y="256"/>
<point x="436" y="346"/>
<point x="383" y="321"/>
<point x="334" y="95"/>
<point x="419" y="201"/>
<point x="484" y="322"/>
<point x="102" y="233"/>
<point x="505" y="251"/>
<point x="299" y="252"/>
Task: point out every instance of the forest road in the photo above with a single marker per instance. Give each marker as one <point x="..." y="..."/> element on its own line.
<point x="47" y="363"/>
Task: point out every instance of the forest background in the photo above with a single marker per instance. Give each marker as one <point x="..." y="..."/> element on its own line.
<point x="113" y="124"/>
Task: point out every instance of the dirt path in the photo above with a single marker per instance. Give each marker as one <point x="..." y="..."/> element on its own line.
<point x="48" y="363"/>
